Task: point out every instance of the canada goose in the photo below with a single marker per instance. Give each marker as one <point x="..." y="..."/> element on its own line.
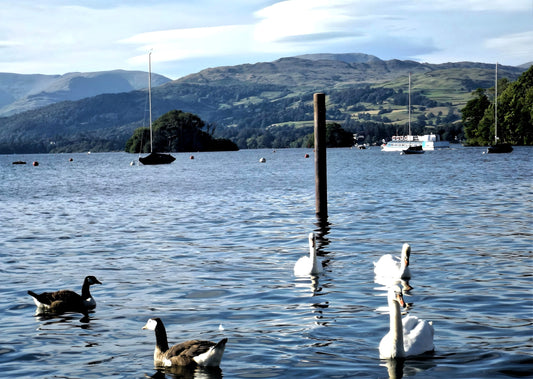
<point x="188" y="353"/>
<point x="66" y="300"/>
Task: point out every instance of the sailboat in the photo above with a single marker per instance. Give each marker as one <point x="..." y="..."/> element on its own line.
<point x="153" y="158"/>
<point x="408" y="142"/>
<point x="497" y="147"/>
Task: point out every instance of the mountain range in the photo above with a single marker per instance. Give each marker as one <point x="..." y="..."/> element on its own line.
<point x="100" y="111"/>
<point x="19" y="93"/>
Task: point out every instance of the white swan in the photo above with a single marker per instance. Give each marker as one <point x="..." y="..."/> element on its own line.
<point x="408" y="337"/>
<point x="308" y="265"/>
<point x="396" y="268"/>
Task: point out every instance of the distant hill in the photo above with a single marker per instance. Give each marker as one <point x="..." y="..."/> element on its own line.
<point x="19" y="93"/>
<point x="309" y="73"/>
<point x="348" y="58"/>
<point x="264" y="104"/>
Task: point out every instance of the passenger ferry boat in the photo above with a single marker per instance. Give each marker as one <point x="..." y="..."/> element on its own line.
<point x="400" y="143"/>
<point x="433" y="142"/>
<point x="427" y="141"/>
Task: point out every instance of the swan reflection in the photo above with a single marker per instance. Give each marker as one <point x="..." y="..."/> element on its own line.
<point x="394" y="368"/>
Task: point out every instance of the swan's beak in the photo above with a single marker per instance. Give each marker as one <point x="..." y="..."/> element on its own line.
<point x="400" y="300"/>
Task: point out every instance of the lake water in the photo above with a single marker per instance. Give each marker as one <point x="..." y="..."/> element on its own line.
<point x="212" y="241"/>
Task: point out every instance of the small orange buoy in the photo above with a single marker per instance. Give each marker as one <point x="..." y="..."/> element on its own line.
<point x="35" y="163"/>
<point x="306" y="156"/>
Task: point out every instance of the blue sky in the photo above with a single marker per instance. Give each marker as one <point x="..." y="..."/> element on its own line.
<point x="60" y="36"/>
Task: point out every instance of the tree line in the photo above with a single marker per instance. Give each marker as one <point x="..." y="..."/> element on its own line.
<point x="177" y="131"/>
<point x="514" y="113"/>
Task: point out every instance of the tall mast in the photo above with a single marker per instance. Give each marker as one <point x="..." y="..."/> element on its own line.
<point x="496" y="105"/>
<point x="150" y="95"/>
<point x="409" y="103"/>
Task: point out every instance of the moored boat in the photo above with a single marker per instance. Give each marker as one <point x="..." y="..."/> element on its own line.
<point x="413" y="150"/>
<point x="400" y="143"/>
<point x="154" y="158"/>
<point x="433" y="142"/>
<point x="426" y="141"/>
<point x="500" y="148"/>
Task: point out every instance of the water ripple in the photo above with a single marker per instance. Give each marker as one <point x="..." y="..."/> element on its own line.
<point x="213" y="242"/>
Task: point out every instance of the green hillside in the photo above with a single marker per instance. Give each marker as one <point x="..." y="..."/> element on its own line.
<point x="266" y="104"/>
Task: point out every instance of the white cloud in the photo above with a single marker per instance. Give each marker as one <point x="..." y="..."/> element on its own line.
<point x="293" y="18"/>
<point x="517" y="46"/>
<point x="463" y="6"/>
<point x="178" y="44"/>
<point x="57" y="37"/>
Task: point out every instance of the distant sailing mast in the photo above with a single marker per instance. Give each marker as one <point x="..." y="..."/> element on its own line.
<point x="497" y="147"/>
<point x="496" y="104"/>
<point x="150" y="96"/>
<point x="409" y="103"/>
<point x="153" y="158"/>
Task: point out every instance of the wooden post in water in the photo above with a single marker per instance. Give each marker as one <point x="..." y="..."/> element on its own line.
<point x="321" y="184"/>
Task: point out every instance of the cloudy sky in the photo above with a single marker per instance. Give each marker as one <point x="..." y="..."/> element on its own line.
<point x="186" y="36"/>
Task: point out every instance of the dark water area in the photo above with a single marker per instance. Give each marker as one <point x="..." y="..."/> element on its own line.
<point x="212" y="241"/>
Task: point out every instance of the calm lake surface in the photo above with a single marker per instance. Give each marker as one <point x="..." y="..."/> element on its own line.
<point x="213" y="240"/>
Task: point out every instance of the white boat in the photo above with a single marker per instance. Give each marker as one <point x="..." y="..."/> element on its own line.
<point x="401" y="143"/>
<point x="427" y="141"/>
<point x="433" y="142"/>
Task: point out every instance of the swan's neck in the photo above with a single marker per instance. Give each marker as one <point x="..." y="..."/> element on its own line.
<point x="404" y="258"/>
<point x="314" y="259"/>
<point x="396" y="328"/>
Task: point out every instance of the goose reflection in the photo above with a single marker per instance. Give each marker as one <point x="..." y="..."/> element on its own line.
<point x="184" y="372"/>
<point x="47" y="319"/>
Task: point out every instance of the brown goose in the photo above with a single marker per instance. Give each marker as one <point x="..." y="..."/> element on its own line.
<point x="66" y="300"/>
<point x="189" y="353"/>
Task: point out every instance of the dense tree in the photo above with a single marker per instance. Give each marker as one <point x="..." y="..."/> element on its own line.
<point x="336" y="136"/>
<point x="515" y="113"/>
<point x="515" y="105"/>
<point x="177" y="131"/>
<point x="472" y="114"/>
